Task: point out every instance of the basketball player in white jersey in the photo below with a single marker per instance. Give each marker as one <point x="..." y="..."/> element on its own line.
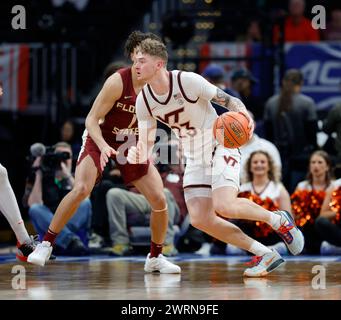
<point x="9" y="207"/>
<point x="181" y="100"/>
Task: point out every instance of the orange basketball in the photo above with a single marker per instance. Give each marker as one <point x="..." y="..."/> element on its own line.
<point x="231" y="129"/>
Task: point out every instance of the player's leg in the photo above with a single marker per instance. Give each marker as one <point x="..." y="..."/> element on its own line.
<point x="204" y="218"/>
<point x="85" y="179"/>
<point x="9" y="207"/>
<point x="151" y="186"/>
<point x="225" y="186"/>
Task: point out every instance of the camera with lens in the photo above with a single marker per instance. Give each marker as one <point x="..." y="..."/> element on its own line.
<point x="51" y="160"/>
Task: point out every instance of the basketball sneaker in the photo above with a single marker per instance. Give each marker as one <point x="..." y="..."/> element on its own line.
<point x="290" y="234"/>
<point x="41" y="254"/>
<point x="160" y="264"/>
<point x="25" y="249"/>
<point x="263" y="265"/>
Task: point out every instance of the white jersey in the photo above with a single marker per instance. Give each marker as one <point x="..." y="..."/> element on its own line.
<point x="272" y="190"/>
<point x="186" y="108"/>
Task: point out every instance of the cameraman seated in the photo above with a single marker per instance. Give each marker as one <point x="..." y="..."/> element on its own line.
<point x="51" y="180"/>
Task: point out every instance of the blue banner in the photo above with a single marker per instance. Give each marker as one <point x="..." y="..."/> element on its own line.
<point x="320" y="64"/>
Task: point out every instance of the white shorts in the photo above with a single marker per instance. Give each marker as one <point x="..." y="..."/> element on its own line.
<point x="224" y="171"/>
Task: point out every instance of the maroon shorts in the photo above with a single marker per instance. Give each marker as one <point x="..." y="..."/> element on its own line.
<point x="129" y="172"/>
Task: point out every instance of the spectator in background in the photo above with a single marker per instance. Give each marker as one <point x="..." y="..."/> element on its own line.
<point x="257" y="143"/>
<point x="332" y="123"/>
<point x="319" y="179"/>
<point x="290" y="121"/>
<point x="50" y="181"/>
<point x="296" y="26"/>
<point x="242" y="81"/>
<point x="328" y="224"/>
<point x="253" y="32"/>
<point x="68" y="134"/>
<point x="333" y="29"/>
<point x="127" y="208"/>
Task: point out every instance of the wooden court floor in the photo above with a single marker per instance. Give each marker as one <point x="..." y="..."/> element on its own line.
<point x="202" y="278"/>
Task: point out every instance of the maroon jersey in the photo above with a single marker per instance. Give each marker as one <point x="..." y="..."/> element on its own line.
<point x="119" y="122"/>
<point x="121" y="119"/>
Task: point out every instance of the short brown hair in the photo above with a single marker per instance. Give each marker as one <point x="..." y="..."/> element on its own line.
<point x="154" y="48"/>
<point x="135" y="38"/>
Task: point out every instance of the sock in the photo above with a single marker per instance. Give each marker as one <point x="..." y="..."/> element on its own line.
<point x="9" y="207"/>
<point x="50" y="236"/>
<point x="155" y="249"/>
<point x="258" y="249"/>
<point x="275" y="220"/>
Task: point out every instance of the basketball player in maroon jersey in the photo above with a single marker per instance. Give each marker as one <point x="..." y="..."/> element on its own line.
<point x="112" y="113"/>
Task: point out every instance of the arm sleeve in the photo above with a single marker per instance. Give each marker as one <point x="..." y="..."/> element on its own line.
<point x="144" y="118"/>
<point x="195" y="86"/>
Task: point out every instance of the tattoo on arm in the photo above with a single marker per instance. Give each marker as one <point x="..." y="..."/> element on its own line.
<point x="228" y="102"/>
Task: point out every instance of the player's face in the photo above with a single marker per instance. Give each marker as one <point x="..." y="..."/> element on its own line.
<point x="259" y="164"/>
<point x="146" y="66"/>
<point x="318" y="166"/>
<point x="0" y="91"/>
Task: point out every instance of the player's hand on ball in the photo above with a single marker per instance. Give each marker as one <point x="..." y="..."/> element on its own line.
<point x="106" y="153"/>
<point x="251" y="125"/>
<point x="137" y="154"/>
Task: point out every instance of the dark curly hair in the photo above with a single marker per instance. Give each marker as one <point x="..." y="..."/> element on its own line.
<point x="135" y="38"/>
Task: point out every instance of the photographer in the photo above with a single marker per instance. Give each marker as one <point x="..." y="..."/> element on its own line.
<point x="51" y="181"/>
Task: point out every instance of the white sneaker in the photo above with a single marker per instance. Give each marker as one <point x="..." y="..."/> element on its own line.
<point x="262" y="265"/>
<point x="290" y="234"/>
<point x="41" y="254"/>
<point x="160" y="264"/>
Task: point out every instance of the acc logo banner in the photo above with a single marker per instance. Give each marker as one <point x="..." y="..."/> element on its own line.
<point x="320" y="64"/>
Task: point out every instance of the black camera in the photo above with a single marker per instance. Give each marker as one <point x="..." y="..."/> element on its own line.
<point x="51" y="160"/>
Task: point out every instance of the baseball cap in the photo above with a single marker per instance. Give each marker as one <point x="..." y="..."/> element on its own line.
<point x="213" y="71"/>
<point x="244" y="73"/>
